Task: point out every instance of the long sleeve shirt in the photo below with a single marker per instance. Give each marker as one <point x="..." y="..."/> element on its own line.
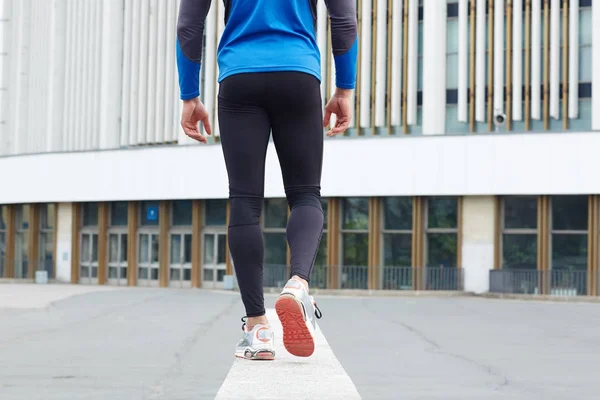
<point x="264" y="36"/>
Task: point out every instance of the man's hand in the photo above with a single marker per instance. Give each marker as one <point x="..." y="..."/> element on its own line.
<point x="339" y="104"/>
<point x="194" y="112"/>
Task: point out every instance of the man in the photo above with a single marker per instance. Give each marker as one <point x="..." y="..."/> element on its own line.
<point x="269" y="75"/>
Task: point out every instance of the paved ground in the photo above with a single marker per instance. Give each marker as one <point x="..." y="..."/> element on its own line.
<point x="177" y="344"/>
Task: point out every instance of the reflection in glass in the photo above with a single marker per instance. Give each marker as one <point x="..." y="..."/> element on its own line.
<point x="123" y="247"/>
<point x="325" y="206"/>
<point x="3" y="217"/>
<point x="175" y="249"/>
<point x="398" y="213"/>
<point x="355" y="249"/>
<point x="321" y="258"/>
<point x="85" y="248"/>
<point x="275" y="248"/>
<point x="182" y="213"/>
<point x="2" y="253"/>
<point x="187" y="248"/>
<point x="221" y="250"/>
<point x="397" y="249"/>
<point x="94" y="248"/>
<point x="442" y="212"/>
<point x="154" y="255"/>
<point x="187" y="274"/>
<point x="113" y="248"/>
<point x="519" y="251"/>
<point x="355" y="212"/>
<point x="441" y="249"/>
<point x="209" y="249"/>
<point x="21" y="259"/>
<point x="142" y="273"/>
<point x="569" y="252"/>
<point x="119" y="213"/>
<point x="215" y="212"/>
<point x="46" y="253"/>
<point x="144" y="249"/>
<point x="276" y="211"/>
<point x="570" y="213"/>
<point x="520" y="212"/>
<point x="47" y="216"/>
<point x="90" y="214"/>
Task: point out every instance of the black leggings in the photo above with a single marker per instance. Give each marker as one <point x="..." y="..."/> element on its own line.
<point x="251" y="107"/>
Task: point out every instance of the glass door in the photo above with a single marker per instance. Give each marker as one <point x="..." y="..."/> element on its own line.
<point x="117" y="259"/>
<point x="180" y="266"/>
<point x="213" y="265"/>
<point x="148" y="260"/>
<point x="88" y="266"/>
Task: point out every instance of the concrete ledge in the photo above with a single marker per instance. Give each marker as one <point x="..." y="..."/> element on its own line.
<point x="320" y="376"/>
<point x="539" y="297"/>
<point x="379" y="293"/>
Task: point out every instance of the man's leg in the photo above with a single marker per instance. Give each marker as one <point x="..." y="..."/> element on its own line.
<point x="295" y="110"/>
<point x="245" y="130"/>
<point x="297" y="117"/>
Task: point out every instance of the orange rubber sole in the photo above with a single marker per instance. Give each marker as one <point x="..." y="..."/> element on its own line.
<point x="297" y="339"/>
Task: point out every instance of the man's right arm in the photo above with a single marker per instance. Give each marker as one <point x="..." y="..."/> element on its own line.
<point x="190" y="32"/>
<point x="344" y="41"/>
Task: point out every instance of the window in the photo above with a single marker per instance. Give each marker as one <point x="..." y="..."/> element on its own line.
<point x="519" y="232"/>
<point x="569" y="221"/>
<point x="569" y="245"/>
<point x="215" y="212"/>
<point x="180" y="243"/>
<point x="148" y="238"/>
<point x="274" y="220"/>
<point x="88" y="270"/>
<point x="355" y="242"/>
<point x="441" y="231"/>
<point x="397" y="242"/>
<point x="117" y="243"/>
<point x="519" y="247"/>
<point x="3" y="229"/>
<point x="22" y="241"/>
<point x="46" y="245"/>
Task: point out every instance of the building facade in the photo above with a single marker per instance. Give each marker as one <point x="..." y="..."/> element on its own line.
<point x="469" y="165"/>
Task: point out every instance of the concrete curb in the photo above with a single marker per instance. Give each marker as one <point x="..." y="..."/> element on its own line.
<point x="538" y="297"/>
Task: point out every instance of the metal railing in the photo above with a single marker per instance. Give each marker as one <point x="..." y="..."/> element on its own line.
<point x="357" y="277"/>
<point x="558" y="282"/>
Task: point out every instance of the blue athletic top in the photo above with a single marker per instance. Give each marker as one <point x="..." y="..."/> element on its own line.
<point x="266" y="35"/>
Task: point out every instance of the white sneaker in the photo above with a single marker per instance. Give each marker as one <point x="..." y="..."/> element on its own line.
<point x="256" y="344"/>
<point x="297" y="311"/>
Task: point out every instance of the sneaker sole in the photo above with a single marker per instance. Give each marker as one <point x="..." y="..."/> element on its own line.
<point x="297" y="339"/>
<point x="258" y="355"/>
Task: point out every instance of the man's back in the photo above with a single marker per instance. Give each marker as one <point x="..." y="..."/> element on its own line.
<point x="269" y="35"/>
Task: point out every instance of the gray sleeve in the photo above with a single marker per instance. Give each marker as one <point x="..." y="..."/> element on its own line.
<point x="342" y="14"/>
<point x="190" y="27"/>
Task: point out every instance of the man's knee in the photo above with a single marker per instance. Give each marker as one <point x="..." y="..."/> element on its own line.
<point x="304" y="196"/>
<point x="245" y="210"/>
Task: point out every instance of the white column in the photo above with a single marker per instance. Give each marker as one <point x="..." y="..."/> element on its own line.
<point x="63" y="242"/>
<point x="477" y="242"/>
<point x="434" y="79"/>
<point x="463" y="59"/>
<point x="574" y="59"/>
<point x="536" y="59"/>
<point x="555" y="46"/>
<point x="381" y="64"/>
<point x="413" y="61"/>
<point x="4" y="46"/>
<point x="517" y="66"/>
<point x="480" y="61"/>
<point x="596" y="65"/>
<point x="397" y="31"/>
<point x="365" y="65"/>
<point x="111" y="73"/>
<point x="498" y="56"/>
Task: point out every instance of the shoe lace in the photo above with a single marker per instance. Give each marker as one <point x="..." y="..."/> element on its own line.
<point x="318" y="312"/>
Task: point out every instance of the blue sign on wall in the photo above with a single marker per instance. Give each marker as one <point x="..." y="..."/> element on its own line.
<point x="152" y="214"/>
